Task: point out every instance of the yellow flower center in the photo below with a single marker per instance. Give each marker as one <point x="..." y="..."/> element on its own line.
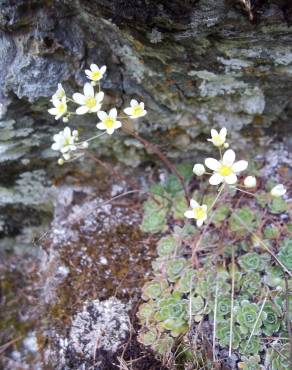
<point x="225" y="170"/>
<point x="199" y="213"/>
<point x="90" y="102"/>
<point x="137" y="110"/>
<point x="109" y="122"/>
<point x="217" y="140"/>
<point x="62" y="108"/>
<point x="96" y="75"/>
<point x="67" y="141"/>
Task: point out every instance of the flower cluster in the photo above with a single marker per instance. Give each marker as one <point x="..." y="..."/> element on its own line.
<point x="225" y="172"/>
<point x="91" y="101"/>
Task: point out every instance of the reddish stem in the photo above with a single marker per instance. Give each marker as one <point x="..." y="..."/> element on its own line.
<point x="163" y="158"/>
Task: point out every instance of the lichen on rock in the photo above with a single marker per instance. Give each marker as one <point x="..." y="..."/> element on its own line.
<point x="100" y="326"/>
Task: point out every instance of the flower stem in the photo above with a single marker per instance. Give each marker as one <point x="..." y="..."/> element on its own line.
<point x="215" y="321"/>
<point x="232" y="302"/>
<point x="255" y="324"/>
<point x="196" y="246"/>
<point x="244" y="191"/>
<point x="163" y="158"/>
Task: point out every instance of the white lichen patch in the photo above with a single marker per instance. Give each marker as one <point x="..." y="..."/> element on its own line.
<point x="215" y="85"/>
<point x="100" y="326"/>
<point x="234" y="64"/>
<point x="31" y="188"/>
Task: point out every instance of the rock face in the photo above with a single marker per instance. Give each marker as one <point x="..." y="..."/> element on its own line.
<point x="196" y="64"/>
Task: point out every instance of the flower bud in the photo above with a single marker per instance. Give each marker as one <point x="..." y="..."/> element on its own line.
<point x="65" y="119"/>
<point x="250" y="181"/>
<point x="199" y="169"/>
<point x="278" y="190"/>
<point x="226" y="145"/>
<point x="75" y="133"/>
<point x="61" y="161"/>
<point x="85" y="145"/>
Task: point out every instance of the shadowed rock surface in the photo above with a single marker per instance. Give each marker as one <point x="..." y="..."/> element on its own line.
<point x="197" y="64"/>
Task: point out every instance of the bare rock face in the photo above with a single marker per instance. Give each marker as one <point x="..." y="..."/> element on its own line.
<point x="195" y="63"/>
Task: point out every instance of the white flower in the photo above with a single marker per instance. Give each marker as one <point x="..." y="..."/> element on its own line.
<point x="250" y="182"/>
<point x="218" y="138"/>
<point x="199" y="213"/>
<point x="60" y="108"/>
<point x="278" y="190"/>
<point x="90" y="102"/>
<point x="135" y="110"/>
<point x="65" y="141"/>
<point x="199" y="169"/>
<point x="108" y="121"/>
<point x="225" y="170"/>
<point x="95" y="73"/>
<point x="60" y="93"/>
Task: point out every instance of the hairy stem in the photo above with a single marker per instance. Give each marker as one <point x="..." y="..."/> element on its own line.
<point x="196" y="246"/>
<point x="232" y="302"/>
<point x="162" y="157"/>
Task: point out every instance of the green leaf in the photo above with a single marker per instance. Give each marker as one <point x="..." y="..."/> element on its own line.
<point x="278" y="205"/>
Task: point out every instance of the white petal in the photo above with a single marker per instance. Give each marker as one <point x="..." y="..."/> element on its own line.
<point x="143" y="113"/>
<point x="101" y="126"/>
<point x="88" y="90"/>
<point x="99" y="96"/>
<point x="55" y="146"/>
<point x="214" y="132"/>
<point x="228" y="157"/>
<point x="56" y="102"/>
<point x="113" y="113"/>
<point x="215" y="179"/>
<point x="110" y="131"/>
<point x="67" y="131"/>
<point x="200" y="222"/>
<point x="79" y="98"/>
<point x="57" y="137"/>
<point x="102" y="115"/>
<point x="223" y="132"/>
<point x="278" y="190"/>
<point x="133" y="103"/>
<point x="231" y="179"/>
<point x="117" y="124"/>
<point x="128" y="111"/>
<point x="239" y="166"/>
<point x="205" y="207"/>
<point x="194" y="203"/>
<point x="94" y="67"/>
<point x="189" y="214"/>
<point x="53" y="111"/>
<point x="142" y="105"/>
<point x="212" y="163"/>
<point x="102" y="69"/>
<point x="95" y="109"/>
<point x="88" y="72"/>
<point x="82" y="110"/>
